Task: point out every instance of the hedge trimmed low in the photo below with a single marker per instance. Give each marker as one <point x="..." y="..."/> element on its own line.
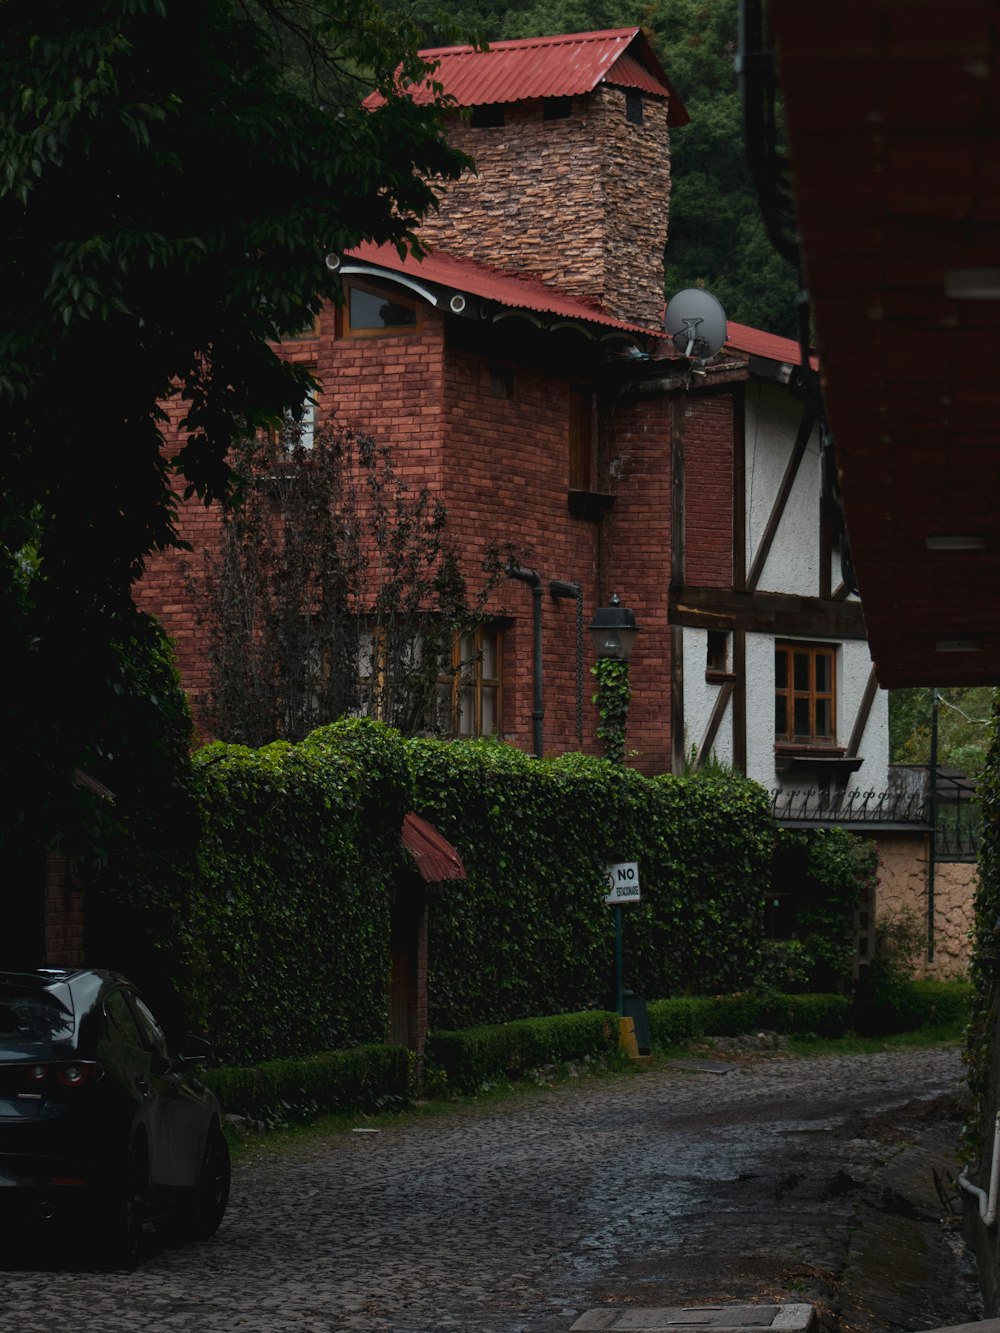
<point x="674" y="1021"/>
<point x="906" y="1005"/>
<point x="472" y="1057"/>
<point x="363" y="1078"/>
<point x="371" y="1078"/>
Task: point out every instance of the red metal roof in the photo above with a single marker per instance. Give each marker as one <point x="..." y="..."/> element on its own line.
<point x="436" y="858"/>
<point x="512" y="290"/>
<point x="755" y="342"/>
<point x="562" y="66"/>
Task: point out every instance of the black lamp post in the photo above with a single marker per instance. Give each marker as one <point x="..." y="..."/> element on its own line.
<point x="614" y="631"/>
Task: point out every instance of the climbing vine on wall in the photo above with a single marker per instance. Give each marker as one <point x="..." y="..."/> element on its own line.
<point x="612" y="697"/>
<point x="982" y="1055"/>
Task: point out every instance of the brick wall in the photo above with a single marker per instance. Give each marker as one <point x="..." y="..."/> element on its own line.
<point x="390" y="387"/>
<point x="62" y="913"/>
<point x="506" y="467"/>
<point x="708" y="490"/>
<point x="635" y="561"/>
<point x="501" y="465"/>
<point x="580" y="202"/>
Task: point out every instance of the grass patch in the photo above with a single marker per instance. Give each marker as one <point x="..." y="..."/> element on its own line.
<point x="938" y="1034"/>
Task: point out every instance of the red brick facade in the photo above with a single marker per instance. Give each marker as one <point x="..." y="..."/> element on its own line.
<point x="708" y="490"/>
<point x="501" y="466"/>
<point x="481" y="410"/>
<point x="62" y="913"/>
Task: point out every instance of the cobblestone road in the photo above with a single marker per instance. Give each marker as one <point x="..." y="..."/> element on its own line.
<point x="667" y="1188"/>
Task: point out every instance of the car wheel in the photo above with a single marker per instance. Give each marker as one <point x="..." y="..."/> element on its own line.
<point x="125" y="1213"/>
<point x="212" y="1190"/>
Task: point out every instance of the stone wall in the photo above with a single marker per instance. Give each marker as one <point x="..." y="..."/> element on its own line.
<point x="903" y="859"/>
<point x="580" y="202"/>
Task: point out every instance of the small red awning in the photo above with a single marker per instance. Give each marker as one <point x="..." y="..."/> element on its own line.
<point x="436" y="858"/>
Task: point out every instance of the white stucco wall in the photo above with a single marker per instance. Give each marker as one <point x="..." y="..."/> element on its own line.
<point x="772" y="422"/>
<point x="792" y="566"/>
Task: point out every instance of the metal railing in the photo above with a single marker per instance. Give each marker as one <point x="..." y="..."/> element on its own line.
<point x="956" y="836"/>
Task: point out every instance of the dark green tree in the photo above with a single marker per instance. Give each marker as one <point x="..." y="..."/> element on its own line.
<point x="174" y="173"/>
<point x="964" y="721"/>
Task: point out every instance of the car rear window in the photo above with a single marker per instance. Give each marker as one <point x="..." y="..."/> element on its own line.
<point x="33" y="1016"/>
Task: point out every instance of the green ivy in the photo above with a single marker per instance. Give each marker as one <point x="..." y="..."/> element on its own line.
<point x="528" y="933"/>
<point x="278" y="941"/>
<point x="613" y="696"/>
<point x="982" y="1053"/>
<point x="835" y="871"/>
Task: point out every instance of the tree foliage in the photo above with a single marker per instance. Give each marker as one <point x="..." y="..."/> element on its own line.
<point x="174" y="173"/>
<point x="964" y="722"/>
<point x="334" y="590"/>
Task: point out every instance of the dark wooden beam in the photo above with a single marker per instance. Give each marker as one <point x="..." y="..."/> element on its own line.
<point x="864" y="712"/>
<point x="740" y="701"/>
<point x="766" y="613"/>
<point x="715" y="721"/>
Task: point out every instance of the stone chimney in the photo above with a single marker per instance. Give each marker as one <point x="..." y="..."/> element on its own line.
<point x="572" y="190"/>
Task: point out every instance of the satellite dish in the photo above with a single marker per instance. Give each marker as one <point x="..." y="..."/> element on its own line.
<point x="695" y="323"/>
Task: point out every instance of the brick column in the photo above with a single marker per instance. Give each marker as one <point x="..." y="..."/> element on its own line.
<point x="62" y="913"/>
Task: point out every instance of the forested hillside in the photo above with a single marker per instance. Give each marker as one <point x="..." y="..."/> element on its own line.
<point x="717" y="239"/>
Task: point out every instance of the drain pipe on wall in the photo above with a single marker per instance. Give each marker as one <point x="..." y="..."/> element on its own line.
<point x="987" y="1202"/>
<point x="533" y="578"/>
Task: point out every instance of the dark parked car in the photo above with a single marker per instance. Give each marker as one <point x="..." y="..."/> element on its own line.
<point x="102" y="1127"/>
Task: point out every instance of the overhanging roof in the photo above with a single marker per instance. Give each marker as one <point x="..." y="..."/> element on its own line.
<point x="436" y="858"/>
<point x="440" y="273"/>
<point x="892" y="114"/>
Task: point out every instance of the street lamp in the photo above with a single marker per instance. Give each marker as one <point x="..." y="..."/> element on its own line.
<point x="614" y="631"/>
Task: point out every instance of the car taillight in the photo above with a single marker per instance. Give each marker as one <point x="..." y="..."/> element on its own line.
<point x="71" y="1074"/>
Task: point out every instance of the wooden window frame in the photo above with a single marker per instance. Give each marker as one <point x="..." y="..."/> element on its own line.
<point x="790" y="694"/>
<point x="346" y="330"/>
<point x="467" y="674"/>
<point x="717" y="659"/>
<point x="309" y="423"/>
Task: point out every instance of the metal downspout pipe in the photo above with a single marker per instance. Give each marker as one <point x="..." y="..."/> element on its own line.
<point x="987" y="1202"/>
<point x="533" y="579"/>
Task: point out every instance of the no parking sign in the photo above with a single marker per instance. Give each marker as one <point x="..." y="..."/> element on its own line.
<point x="623" y="882"/>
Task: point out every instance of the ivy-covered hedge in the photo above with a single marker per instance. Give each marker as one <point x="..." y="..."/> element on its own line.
<point x="674" y="1021"/>
<point x="278" y="941"/>
<point x="529" y="933"/>
<point x="467" y="1059"/>
<point x="909" y="1004"/>
<point x="288" y="939"/>
<point x="982" y="1052"/>
<point x="363" y="1078"/>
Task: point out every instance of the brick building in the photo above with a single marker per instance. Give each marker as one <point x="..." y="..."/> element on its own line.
<point x="520" y="370"/>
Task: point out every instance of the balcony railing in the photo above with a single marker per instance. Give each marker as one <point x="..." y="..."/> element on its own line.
<point x="956" y="836"/>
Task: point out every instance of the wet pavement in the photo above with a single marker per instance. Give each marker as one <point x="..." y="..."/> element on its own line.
<point x="781" y="1180"/>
